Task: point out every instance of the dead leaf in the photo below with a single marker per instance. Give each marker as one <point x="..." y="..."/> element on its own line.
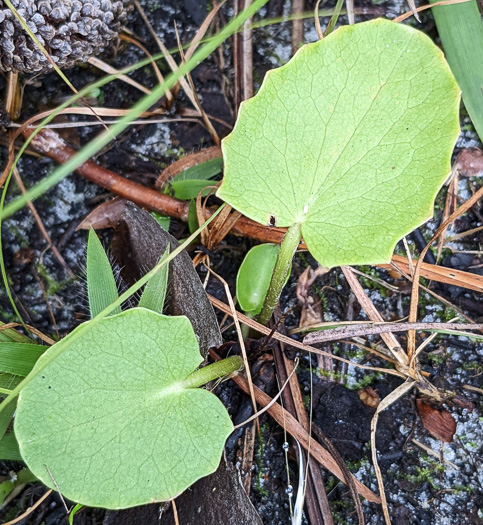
<point x="439" y="423"/>
<point x="469" y="162"/>
<point x="369" y="397"/>
<point x="311" y="313"/>
<point x="106" y="215"/>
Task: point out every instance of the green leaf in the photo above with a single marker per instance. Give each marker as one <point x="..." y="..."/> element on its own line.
<point x="189" y="188"/>
<point x="9" y="382"/>
<point x="73" y="512"/>
<point x="9" y="448"/>
<point x="6" y="418"/>
<point x="162" y="220"/>
<point x="203" y="171"/>
<point x="19" y="358"/>
<point x="254" y="275"/>
<point x="193" y="223"/>
<point x="111" y="418"/>
<point x="351" y="139"/>
<point x="101" y="284"/>
<point x="10" y="335"/>
<point x="154" y="293"/>
<point x="461" y="32"/>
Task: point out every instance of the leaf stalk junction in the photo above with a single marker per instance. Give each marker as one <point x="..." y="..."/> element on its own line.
<point x="281" y="271"/>
<point x="216" y="370"/>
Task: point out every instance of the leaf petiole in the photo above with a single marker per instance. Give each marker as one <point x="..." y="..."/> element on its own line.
<point x="281" y="271"/>
<point x="216" y="370"/>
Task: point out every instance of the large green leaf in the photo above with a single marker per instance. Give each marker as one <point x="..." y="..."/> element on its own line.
<point x="352" y="139"/>
<point x="112" y="419"/>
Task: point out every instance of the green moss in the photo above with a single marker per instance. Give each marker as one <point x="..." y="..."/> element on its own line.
<point x="12" y="228"/>
<point x="369" y="283"/>
<point x="336" y="376"/>
<point x="437" y="358"/>
<point x="259" y="454"/>
<point x="354" y="466"/>
<point x="424" y="475"/>
<point x="365" y="381"/>
<point x="52" y="286"/>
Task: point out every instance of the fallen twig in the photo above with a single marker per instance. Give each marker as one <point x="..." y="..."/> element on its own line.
<point x="334" y="334"/>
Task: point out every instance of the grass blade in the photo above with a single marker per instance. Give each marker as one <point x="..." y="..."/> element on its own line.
<point x="101" y="284"/>
<point x="9" y="448"/>
<point x="19" y="358"/>
<point x="154" y="293"/>
<point x="461" y="33"/>
<point x="6" y="418"/>
<point x="12" y="335"/>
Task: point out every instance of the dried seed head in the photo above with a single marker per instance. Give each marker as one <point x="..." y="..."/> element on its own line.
<point x="70" y="30"/>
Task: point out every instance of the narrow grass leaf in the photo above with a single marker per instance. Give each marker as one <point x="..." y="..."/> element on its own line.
<point x="9" y="448"/>
<point x="154" y="293"/>
<point x="12" y="335"/>
<point x="162" y="220"/>
<point x="461" y="33"/>
<point x="73" y="512"/>
<point x="334" y="18"/>
<point x="6" y="418"/>
<point x="189" y="189"/>
<point x="101" y="284"/>
<point x="203" y="171"/>
<point x="8" y="382"/>
<point x="19" y="358"/>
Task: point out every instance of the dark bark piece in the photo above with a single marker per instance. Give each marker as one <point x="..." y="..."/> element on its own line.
<point x="219" y="498"/>
<point x="139" y="242"/>
<point x="144" y="515"/>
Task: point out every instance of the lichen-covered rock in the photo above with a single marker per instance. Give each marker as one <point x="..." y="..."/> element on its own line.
<point x="70" y="31"/>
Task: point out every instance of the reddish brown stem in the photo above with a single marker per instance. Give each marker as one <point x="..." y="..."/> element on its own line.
<point x="51" y="144"/>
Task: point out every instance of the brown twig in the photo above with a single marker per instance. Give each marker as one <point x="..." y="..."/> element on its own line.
<point x="30" y="509"/>
<point x="51" y="144"/>
<point x="413" y="311"/>
<point x="335" y="334"/>
<point x="292" y="342"/>
<point x="297" y="25"/>
<point x="209" y="126"/>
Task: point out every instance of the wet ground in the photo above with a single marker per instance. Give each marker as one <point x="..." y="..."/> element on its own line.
<point x="422" y="487"/>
